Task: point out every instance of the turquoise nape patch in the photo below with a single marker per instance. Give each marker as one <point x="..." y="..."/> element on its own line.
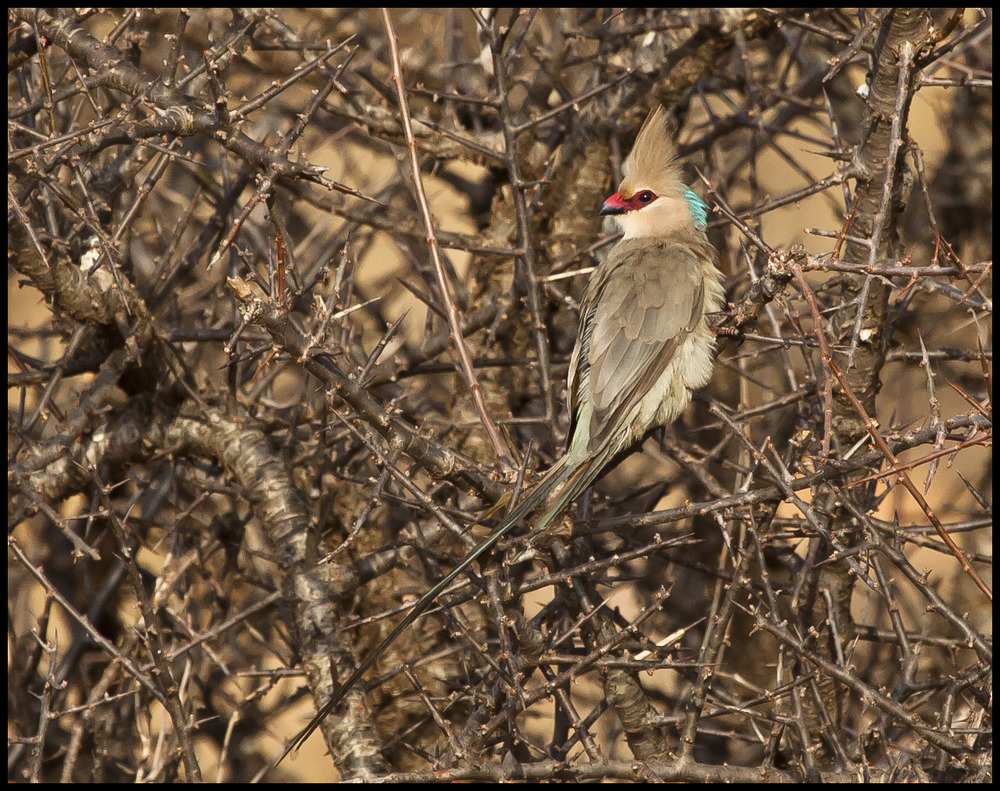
<point x="699" y="209"/>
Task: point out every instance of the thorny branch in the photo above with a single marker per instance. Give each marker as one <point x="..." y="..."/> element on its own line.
<point x="240" y="445"/>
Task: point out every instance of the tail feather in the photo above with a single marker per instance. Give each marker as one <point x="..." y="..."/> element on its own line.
<point x="578" y="477"/>
<point x="572" y="484"/>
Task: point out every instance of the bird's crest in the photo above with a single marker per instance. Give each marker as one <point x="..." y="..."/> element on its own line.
<point x="652" y="164"/>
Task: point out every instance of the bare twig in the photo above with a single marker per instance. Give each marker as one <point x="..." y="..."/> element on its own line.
<point x="499" y="446"/>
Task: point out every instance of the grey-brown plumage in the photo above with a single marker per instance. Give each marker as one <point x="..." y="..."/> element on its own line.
<point x="643" y="346"/>
<point x="644" y="338"/>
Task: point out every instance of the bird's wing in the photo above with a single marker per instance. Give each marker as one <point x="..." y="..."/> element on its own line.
<point x="649" y="297"/>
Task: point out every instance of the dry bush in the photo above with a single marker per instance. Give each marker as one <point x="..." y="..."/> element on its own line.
<point x="241" y="436"/>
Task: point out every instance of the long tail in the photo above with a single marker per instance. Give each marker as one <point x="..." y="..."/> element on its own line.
<point x="576" y="478"/>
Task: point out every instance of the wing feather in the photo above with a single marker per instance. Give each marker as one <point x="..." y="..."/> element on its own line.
<point x="643" y="301"/>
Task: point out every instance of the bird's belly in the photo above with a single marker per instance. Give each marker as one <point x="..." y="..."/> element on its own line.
<point x="690" y="369"/>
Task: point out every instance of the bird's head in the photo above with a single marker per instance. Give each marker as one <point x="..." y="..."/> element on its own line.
<point x="652" y="200"/>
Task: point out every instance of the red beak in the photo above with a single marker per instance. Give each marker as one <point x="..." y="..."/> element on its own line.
<point x="613" y="205"/>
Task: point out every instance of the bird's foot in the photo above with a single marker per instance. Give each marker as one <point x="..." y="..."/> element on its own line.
<point x="723" y="331"/>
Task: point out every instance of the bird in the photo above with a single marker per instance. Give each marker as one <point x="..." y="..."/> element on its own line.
<point x="644" y="344"/>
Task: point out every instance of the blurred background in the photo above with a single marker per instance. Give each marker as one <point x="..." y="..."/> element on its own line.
<point x="241" y="437"/>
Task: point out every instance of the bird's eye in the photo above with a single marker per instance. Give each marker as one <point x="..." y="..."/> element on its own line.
<point x="645" y="197"/>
